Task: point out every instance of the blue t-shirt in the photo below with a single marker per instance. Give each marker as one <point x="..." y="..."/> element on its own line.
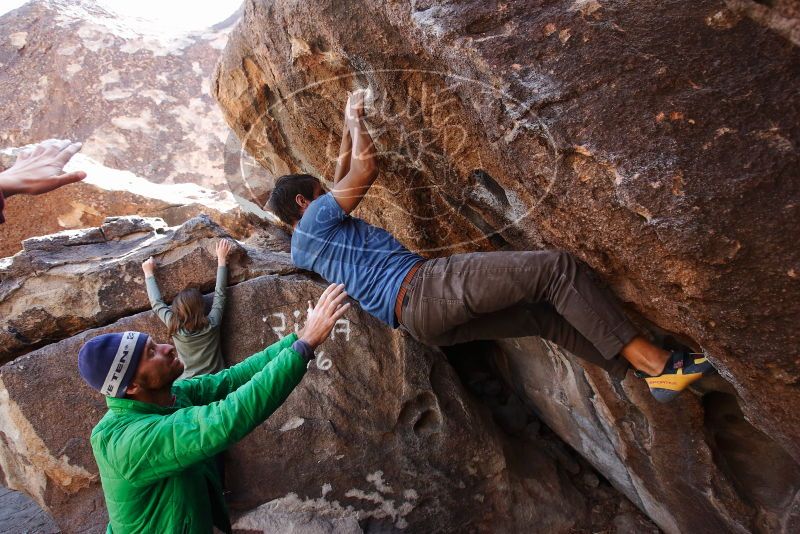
<point x="347" y="250"/>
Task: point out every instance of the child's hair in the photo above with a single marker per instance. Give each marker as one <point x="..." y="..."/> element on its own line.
<point x="188" y="312"/>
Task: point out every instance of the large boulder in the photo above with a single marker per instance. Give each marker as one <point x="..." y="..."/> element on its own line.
<point x="380" y="429"/>
<point x="67" y="282"/>
<point x="655" y="140"/>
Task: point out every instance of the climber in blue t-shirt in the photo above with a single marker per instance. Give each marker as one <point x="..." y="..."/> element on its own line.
<point x="464" y="297"/>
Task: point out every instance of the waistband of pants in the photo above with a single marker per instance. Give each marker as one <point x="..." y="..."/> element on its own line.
<point x="402" y="295"/>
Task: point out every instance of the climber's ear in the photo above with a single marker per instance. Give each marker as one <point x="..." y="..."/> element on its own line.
<point x="133" y="388"/>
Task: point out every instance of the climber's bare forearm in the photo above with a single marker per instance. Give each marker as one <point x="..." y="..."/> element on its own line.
<point x="343" y="160"/>
<point x="349" y="191"/>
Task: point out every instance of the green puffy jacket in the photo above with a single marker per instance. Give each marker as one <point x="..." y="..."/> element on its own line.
<point x="157" y="464"/>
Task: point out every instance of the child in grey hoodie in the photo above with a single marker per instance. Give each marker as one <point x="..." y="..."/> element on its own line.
<point x="196" y="336"/>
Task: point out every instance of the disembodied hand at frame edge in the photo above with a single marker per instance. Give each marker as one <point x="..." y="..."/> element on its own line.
<point x="322" y="318"/>
<point x="41" y="169"/>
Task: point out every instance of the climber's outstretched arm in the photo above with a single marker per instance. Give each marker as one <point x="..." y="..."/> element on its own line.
<point x="349" y="191"/>
<point x="343" y="160"/>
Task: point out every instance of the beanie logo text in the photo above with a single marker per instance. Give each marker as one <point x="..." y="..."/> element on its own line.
<point x="120" y="364"/>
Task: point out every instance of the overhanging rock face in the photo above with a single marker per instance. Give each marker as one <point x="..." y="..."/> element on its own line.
<point x="379" y="429"/>
<point x="657" y="141"/>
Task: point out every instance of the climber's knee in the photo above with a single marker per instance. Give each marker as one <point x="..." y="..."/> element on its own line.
<point x="560" y="261"/>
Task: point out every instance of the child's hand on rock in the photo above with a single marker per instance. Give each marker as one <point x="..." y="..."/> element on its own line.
<point x="224" y="247"/>
<point x="149" y="267"/>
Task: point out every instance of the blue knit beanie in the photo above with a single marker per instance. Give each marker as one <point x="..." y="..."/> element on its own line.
<point x="109" y="361"/>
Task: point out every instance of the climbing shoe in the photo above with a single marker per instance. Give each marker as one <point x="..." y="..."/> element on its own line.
<point x="682" y="369"/>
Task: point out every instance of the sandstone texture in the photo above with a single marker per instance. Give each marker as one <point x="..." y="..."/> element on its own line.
<point x="657" y="141"/>
<point x="290" y="514"/>
<point x="18" y="513"/>
<point x="138" y="100"/>
<point x="67" y="282"/>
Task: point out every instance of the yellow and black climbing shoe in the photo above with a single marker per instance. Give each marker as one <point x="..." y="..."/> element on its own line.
<point x="682" y="369"/>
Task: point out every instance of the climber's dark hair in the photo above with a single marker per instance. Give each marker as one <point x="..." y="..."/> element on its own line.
<point x="281" y="200"/>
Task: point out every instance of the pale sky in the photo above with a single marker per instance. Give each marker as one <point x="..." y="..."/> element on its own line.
<point x="169" y="15"/>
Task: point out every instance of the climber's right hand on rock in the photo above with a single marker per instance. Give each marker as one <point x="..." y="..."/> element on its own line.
<point x="354" y="109"/>
<point x="149" y="267"/>
<point x="322" y="318"/>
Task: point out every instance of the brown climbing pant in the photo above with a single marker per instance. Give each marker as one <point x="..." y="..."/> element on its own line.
<point x="495" y="295"/>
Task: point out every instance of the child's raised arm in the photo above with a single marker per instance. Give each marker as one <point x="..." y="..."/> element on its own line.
<point x="224" y="247"/>
<point x="162" y="310"/>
